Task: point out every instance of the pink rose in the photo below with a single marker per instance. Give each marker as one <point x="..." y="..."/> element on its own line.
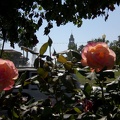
<point x="97" y="55"/>
<point x="8" y="73"/>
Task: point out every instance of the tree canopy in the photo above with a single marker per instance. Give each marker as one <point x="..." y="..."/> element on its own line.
<point x="19" y="20"/>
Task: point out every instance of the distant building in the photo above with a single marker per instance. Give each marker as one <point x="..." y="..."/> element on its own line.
<point x="71" y="44"/>
<point x="15" y="56"/>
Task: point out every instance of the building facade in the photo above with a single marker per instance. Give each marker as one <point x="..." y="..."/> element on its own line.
<point x="16" y="57"/>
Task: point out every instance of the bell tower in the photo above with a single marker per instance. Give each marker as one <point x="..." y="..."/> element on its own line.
<point x="71" y="44"/>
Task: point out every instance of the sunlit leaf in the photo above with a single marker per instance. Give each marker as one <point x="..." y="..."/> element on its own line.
<point x="15" y="114"/>
<point x="68" y="65"/>
<point x="43" y="48"/>
<point x="27" y="83"/>
<point x="40" y="7"/>
<point x="77" y="110"/>
<point x="42" y="73"/>
<point x="61" y="59"/>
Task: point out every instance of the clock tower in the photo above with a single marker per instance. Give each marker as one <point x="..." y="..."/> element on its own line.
<point x="71" y="44"/>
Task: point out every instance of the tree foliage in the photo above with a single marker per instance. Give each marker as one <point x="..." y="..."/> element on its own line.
<point x="100" y="40"/>
<point x="19" y="20"/>
<point x="115" y="46"/>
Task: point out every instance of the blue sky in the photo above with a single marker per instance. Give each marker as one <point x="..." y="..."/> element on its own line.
<point x="89" y="30"/>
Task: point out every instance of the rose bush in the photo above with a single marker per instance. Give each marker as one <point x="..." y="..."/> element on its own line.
<point x="66" y="94"/>
<point x="8" y="73"/>
<point x="97" y="55"/>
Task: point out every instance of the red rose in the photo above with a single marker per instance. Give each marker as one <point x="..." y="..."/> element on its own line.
<point x="87" y="105"/>
<point x="8" y="73"/>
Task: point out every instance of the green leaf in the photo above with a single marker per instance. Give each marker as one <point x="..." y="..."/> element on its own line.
<point x="26" y="83"/>
<point x="68" y="65"/>
<point x="21" y="79"/>
<point x="76" y="54"/>
<point x="42" y="73"/>
<point x="36" y="63"/>
<point x="78" y="75"/>
<point x="77" y="110"/>
<point x="15" y="114"/>
<point x="50" y="41"/>
<point x="87" y="89"/>
<point x="72" y="117"/>
<point x="43" y="48"/>
<point x="40" y="8"/>
<point x="61" y="59"/>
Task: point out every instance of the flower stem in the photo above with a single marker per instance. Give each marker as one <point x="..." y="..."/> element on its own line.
<point x="101" y="86"/>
